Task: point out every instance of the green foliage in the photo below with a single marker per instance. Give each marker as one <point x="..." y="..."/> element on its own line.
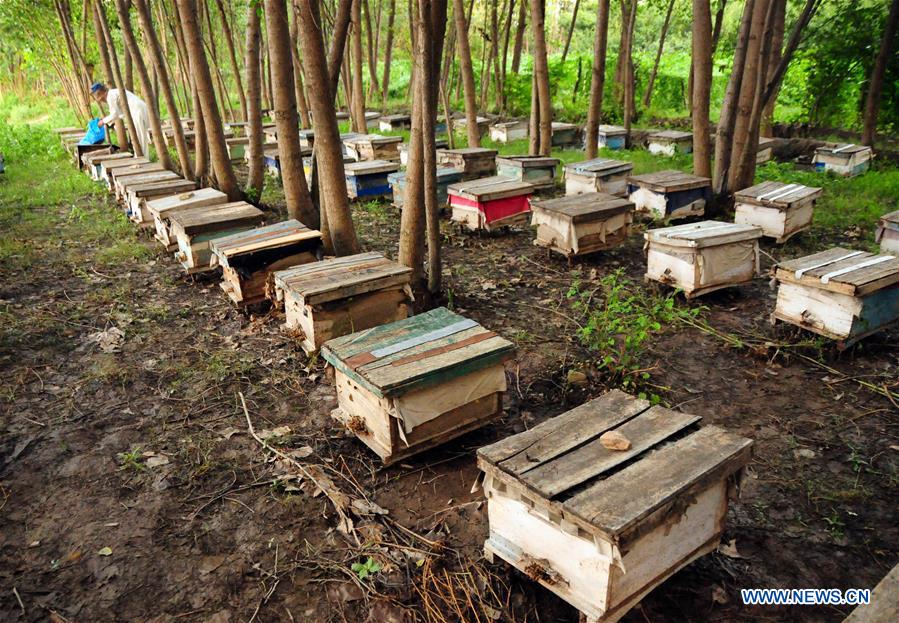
<point x="131" y="461"/>
<point x="365" y="569"/>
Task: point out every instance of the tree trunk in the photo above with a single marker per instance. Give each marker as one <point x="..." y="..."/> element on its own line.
<point x="82" y="85"/>
<point x="647" y="97"/>
<point x="256" y="174"/>
<point x="433" y="37"/>
<point x="719" y="21"/>
<point x="577" y="4"/>
<point x="534" y="119"/>
<point x="507" y="33"/>
<point x="471" y="113"/>
<point x="373" y="87"/>
<point x="388" y="51"/>
<point x="299" y="88"/>
<point x="232" y="54"/>
<point x="875" y="85"/>
<point x="328" y="151"/>
<point x="630" y="108"/>
<point x="338" y="46"/>
<point x="218" y="148"/>
<point x="777" y="39"/>
<point x="491" y="54"/>
<point x="541" y="73"/>
<point x="519" y="36"/>
<point x="702" y="83"/>
<point x="598" y="77"/>
<point x="358" y="106"/>
<point x="121" y="136"/>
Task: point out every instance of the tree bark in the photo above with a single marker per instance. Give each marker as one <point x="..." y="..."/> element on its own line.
<point x="507" y="32"/>
<point x="121" y="136"/>
<point x="577" y="4"/>
<point x="598" y="76"/>
<point x="358" y="106"/>
<point x="647" y="97"/>
<point x="541" y="72"/>
<point x="256" y="174"/>
<point x="388" y="51"/>
<point x="471" y="113"/>
<point x="337" y="47"/>
<point x="875" y="84"/>
<point x="299" y="88"/>
<point x="534" y="118"/>
<point x="373" y="87"/>
<point x="702" y="83"/>
<point x="519" y="36"/>
<point x="628" y="68"/>
<point x="777" y="39"/>
<point x="434" y="31"/>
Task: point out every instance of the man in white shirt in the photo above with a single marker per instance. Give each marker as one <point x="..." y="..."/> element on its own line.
<point x="138" y="108"/>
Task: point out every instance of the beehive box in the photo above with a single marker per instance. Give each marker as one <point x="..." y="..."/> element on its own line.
<point x="138" y="174"/>
<point x="94" y="162"/>
<point x="393" y="123"/>
<point x="766" y="150"/>
<point x="581" y="224"/>
<point x="80" y="151"/>
<point x="248" y="258"/>
<point x="702" y="257"/>
<point x="611" y="137"/>
<point x="410" y="385"/>
<point x="137" y="196"/>
<point x="538" y="171"/>
<point x="193" y="230"/>
<point x="307" y="138"/>
<point x="307" y="167"/>
<point x="374" y="147"/>
<point x="403" y="148"/>
<point x="163" y="208"/>
<point x="445" y="177"/>
<point x="781" y="210"/>
<point x="602" y="528"/>
<point x="887" y="235"/>
<point x="368" y="179"/>
<point x="565" y="134"/>
<point x="670" y="142"/>
<point x="506" y="131"/>
<point x="598" y="175"/>
<point x="669" y="195"/>
<point x="271" y="159"/>
<point x="372" y="119"/>
<point x="474" y="162"/>
<point x="85" y="160"/>
<point x="491" y="202"/>
<point x="842" y="294"/>
<point x="342" y="295"/>
<point x="270" y="132"/>
<point x="237" y="147"/>
<point x="482" y="122"/>
<point x="844" y="160"/>
<point x="108" y="167"/>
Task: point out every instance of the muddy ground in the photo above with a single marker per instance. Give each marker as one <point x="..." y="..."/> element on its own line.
<point x="130" y="489"/>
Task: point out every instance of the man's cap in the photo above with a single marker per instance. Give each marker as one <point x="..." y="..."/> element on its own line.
<point x="97" y="86"/>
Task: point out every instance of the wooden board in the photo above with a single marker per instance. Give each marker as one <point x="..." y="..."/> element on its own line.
<point x="612" y="130"/>
<point x="585" y="208"/>
<point x="268" y="237"/>
<point x="204" y="219"/>
<point x="703" y="234"/>
<point x="490" y="188"/>
<point x="370" y="167"/>
<point x="526" y="162"/>
<point x="600" y="167"/>
<point x="884" y="604"/>
<point x="777" y="194"/>
<point x="855" y="278"/>
<point x="160" y="187"/>
<point x="669" y="181"/>
<point x="670" y="135"/>
<point x="846" y="149"/>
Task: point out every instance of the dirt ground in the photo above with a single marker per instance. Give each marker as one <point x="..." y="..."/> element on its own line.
<point x="131" y="489"/>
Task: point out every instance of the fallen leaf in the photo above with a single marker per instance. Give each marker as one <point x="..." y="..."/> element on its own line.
<point x="804" y="453"/>
<point x="106" y="551"/>
<point x="229" y="432"/>
<point x="301" y="452"/>
<point x="364" y="507"/>
<point x="488" y="285"/>
<point x="729" y="549"/>
<point x="613" y="440"/>
<point x="157" y="461"/>
<point x="109" y="341"/>
<point x="344" y="592"/>
<point x="34" y="544"/>
<point x="281" y="431"/>
<point x="576" y="377"/>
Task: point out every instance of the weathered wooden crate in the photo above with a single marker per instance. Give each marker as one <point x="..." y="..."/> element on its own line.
<point x="669" y="195"/>
<point x="598" y="175"/>
<point x="611" y="137"/>
<point x="86" y="158"/>
<point x="368" y="179"/>
<point x="766" y="150"/>
<point x="335" y="297"/>
<point x="403" y="148"/>
<point x="781" y="210"/>
<point x="887" y="235"/>
<point x="270" y="132"/>
<point x="307" y="167"/>
<point x="565" y="134"/>
<point x="474" y="162"/>
<point x="582" y="224"/>
<point x="703" y="257"/>
<point x="80" y="151"/>
<point x="410" y="385"/>
<point x="506" y="131"/>
<point x="393" y="123"/>
<point x="237" y="147"/>
<point x="538" y="171"/>
<point x="193" y="230"/>
<point x="137" y="196"/>
<point x="445" y="177"/>
<point x="248" y="258"/>
<point x="372" y="119"/>
<point x="94" y="162"/>
<point x="491" y="202"/>
<point x="138" y="174"/>
<point x="271" y="159"/>
<point x="482" y="122"/>
<point x="108" y="167"/>
<point x="307" y="138"/>
<point x="602" y="528"/>
<point x="846" y="160"/>
<point x="842" y="294"/>
<point x="883" y="606"/>
<point x="670" y="142"/>
<point x="373" y="147"/>
<point x="163" y="208"/>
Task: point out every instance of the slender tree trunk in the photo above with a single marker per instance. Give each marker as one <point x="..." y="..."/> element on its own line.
<point x="534" y="118"/>
<point x="647" y="97"/>
<point x="471" y="113"/>
<point x="541" y="73"/>
<point x="358" y="107"/>
<point x="299" y="88"/>
<point x="256" y="174"/>
<point x="519" y="36"/>
<point x="598" y="77"/>
<point x="875" y="84"/>
<point x="78" y="68"/>
<point x="114" y="59"/>
<point x="218" y="148"/>
<point x="232" y="55"/>
<point x="433" y="36"/>
<point x="121" y="136"/>
<point x="719" y="21"/>
<point x="577" y="4"/>
<point x="777" y="39"/>
<point x="507" y="33"/>
<point x="373" y="87"/>
<point x="338" y="45"/>
<point x="702" y="83"/>
<point x="630" y="108"/>
<point x="388" y="51"/>
<point x="491" y="54"/>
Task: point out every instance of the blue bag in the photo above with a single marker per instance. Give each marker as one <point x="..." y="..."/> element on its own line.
<point x="95" y="134"/>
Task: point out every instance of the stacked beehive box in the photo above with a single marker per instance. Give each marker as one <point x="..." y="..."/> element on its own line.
<point x="163" y="208"/>
<point x="445" y="177"/>
<point x="843" y="160"/>
<point x="368" y="179"/>
<point x="506" y="131"/>
<point x="888" y="232"/>
<point x="611" y="137"/>
<point x="538" y="171"/>
<point x="373" y="147"/>
<point x="565" y="134"/>
<point x="194" y="230"/>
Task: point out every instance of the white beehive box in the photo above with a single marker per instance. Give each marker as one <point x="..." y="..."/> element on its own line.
<point x="193" y="230"/>
<point x="888" y="233"/>
<point x="581" y="224"/>
<point x="163" y="208"/>
<point x="506" y="131"/>
<point x="670" y="142"/>
<point x="781" y="210"/>
<point x="603" y="175"/>
<point x="669" y="195"/>
<point x="702" y="257"/>
<point x="844" y="160"/>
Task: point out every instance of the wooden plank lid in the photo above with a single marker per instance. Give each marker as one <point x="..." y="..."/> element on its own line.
<point x="600" y="166"/>
<point x="612" y="130"/>
<point x="776" y="194"/>
<point x="470" y="151"/>
<point x="217" y="217"/>
<point x="561" y="125"/>
<point x="851" y="272"/>
<point x="585" y="208"/>
<point x="422" y="351"/>
<point x="172" y="202"/>
<point x="703" y="234"/>
<point x="890" y="219"/>
<point x="671" y="135"/>
<point x="526" y="162"/>
<point x="490" y="188"/>
<point x="669" y="181"/>
<point x="370" y="167"/>
<point x="842" y="148"/>
<point x="268" y="237"/>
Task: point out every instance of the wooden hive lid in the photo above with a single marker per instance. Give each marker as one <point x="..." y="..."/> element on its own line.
<point x="765" y="142"/>
<point x="612" y="130"/>
<point x="776" y="194"/>
<point x="97" y="158"/>
<point x="422" y="351"/>
<point x="370" y="167"/>
<point x="608" y="492"/>
<point x="671" y="135"/>
<point x="123" y="162"/>
<point x="890" y="218"/>
<point x="269" y="237"/>
<point x="510" y="124"/>
<point x="342" y="277"/>
<point x="174" y="202"/>
<point x="445" y="175"/>
<point x="669" y="181"/>
<point x="238" y="140"/>
<point x="585" y="208"/>
<point x="600" y="166"/>
<point x="172" y="185"/>
<point x="470" y="151"/>
<point x="703" y="234"/>
<point x="561" y="125"/>
<point x="139" y="172"/>
<point x="847" y="271"/>
<point x="130" y="182"/>
<point x="526" y="162"/>
<point x="401" y="117"/>
<point x="490" y="188"/>
<point x="195" y="221"/>
<point x="846" y="149"/>
<point x="371" y="114"/>
<point x="463" y="121"/>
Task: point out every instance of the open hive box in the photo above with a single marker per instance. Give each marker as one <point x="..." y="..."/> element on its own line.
<point x="670" y="142"/>
<point x="109" y="166"/>
<point x="599" y="527"/>
<point x="393" y="123"/>
<point x="781" y="210"/>
<point x="538" y="171"/>
<point x="194" y="229"/>
<point x="582" y="224"/>
<point x="248" y="258"/>
<point x="669" y="195"/>
<point x="845" y="160"/>
<point x="611" y="137"/>
<point x="368" y="178"/>
<point x="565" y="134"/>
<point x="841" y="294"/>
<point x="887" y="234"/>
<point x="474" y="162"/>
<point x="94" y="162"/>
<point x="338" y="296"/>
<point x="163" y="208"/>
<point x="766" y="150"/>
<point x="373" y="147"/>
<point x="703" y="257"/>
<point x="445" y="177"/>
<point x="410" y="385"/>
<point x="491" y="202"/>
<point x="506" y="131"/>
<point x="137" y="196"/>
<point x="598" y="175"/>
